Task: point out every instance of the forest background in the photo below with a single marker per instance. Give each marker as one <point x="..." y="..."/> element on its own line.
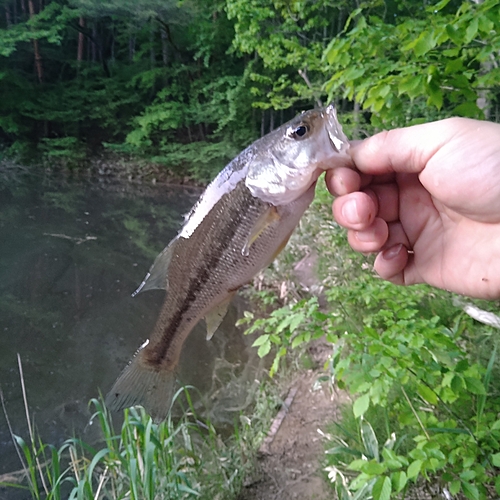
<point x="185" y="85"/>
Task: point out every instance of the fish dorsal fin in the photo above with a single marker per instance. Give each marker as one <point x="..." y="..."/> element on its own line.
<point x="157" y="277"/>
<point x="269" y="217"/>
<point x="214" y="318"/>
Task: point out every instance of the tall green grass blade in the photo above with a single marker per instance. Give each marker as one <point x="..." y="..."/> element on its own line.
<point x="369" y="440"/>
<point x="481" y="400"/>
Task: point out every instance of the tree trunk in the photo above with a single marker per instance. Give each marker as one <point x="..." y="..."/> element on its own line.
<point x="152" y="55"/>
<point x="94" y="37"/>
<point x="164" y="46"/>
<point x="36" y="48"/>
<point x="8" y="20"/>
<point x="81" y="38"/>
<point x="131" y="48"/>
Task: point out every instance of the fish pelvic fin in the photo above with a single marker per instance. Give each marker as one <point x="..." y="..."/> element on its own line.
<point x="141" y="385"/>
<point x="157" y="277"/>
<point x="214" y="318"/>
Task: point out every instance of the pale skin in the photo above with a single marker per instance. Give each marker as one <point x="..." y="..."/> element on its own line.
<point x="426" y="200"/>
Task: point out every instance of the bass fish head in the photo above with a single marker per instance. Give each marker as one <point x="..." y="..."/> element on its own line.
<point x="286" y="162"/>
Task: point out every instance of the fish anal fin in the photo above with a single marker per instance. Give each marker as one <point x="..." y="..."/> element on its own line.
<point x="270" y="216"/>
<point x="141" y="385"/>
<point x="157" y="277"/>
<point x="214" y="318"/>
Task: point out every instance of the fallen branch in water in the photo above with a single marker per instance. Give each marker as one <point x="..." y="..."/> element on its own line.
<point x="76" y="239"/>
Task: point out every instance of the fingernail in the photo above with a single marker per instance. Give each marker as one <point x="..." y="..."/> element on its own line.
<point x="393" y="252"/>
<point x="350" y="211"/>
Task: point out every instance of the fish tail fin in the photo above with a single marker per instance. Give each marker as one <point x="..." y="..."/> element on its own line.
<point x="142" y="385"/>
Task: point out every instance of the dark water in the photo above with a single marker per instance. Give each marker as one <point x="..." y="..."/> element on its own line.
<point x="70" y="256"/>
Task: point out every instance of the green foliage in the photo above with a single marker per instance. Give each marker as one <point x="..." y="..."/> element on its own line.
<point x="287" y="327"/>
<point x="402" y="357"/>
<point x="423" y="64"/>
<point x="285" y="37"/>
<point x="191" y="81"/>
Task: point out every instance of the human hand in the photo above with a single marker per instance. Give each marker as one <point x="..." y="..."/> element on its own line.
<point x="427" y="200"/>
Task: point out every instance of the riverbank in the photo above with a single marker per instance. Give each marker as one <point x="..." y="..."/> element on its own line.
<point x="106" y="168"/>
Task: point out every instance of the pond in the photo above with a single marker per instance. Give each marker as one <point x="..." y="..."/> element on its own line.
<point x="71" y="254"/>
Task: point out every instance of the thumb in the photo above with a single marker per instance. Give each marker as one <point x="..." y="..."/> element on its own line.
<point x="407" y="150"/>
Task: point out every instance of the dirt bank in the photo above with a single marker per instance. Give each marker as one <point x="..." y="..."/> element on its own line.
<point x="290" y="466"/>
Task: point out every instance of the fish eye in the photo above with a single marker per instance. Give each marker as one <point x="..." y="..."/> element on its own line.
<point x="299" y="131"/>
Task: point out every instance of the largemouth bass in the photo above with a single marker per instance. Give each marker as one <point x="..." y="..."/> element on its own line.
<point x="238" y="226"/>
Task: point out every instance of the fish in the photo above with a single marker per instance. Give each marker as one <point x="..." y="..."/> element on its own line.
<point x="238" y="226"/>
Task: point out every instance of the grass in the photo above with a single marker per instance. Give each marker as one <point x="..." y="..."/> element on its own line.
<point x="173" y="460"/>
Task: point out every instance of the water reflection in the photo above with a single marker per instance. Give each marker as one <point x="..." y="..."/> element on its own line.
<point x="70" y="255"/>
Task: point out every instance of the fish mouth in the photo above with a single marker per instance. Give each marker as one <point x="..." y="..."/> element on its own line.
<point x="336" y="136"/>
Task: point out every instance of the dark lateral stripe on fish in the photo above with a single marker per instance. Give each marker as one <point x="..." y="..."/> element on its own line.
<point x="158" y="353"/>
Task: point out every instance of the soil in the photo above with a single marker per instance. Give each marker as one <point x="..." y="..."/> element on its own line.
<point x="290" y="460"/>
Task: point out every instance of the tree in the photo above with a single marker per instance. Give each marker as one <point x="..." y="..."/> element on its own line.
<point x="419" y="65"/>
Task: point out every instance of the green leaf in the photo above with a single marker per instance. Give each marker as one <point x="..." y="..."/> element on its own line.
<point x="485" y="24"/>
<point x="474" y="385"/>
<point x="399" y="480"/>
<point x="435" y="97"/>
<point x="469" y="110"/>
<point x="361" y="405"/>
<point x="467" y="475"/>
<point x="425" y="42"/>
<point x="471" y="30"/>
<point x="470" y="491"/>
<point x="454" y="34"/>
<point x="358" y="464"/>
<point x="427" y="394"/>
<point x="455" y="486"/>
<point x="414" y="469"/>
<point x="382" y="489"/>
<point x="439" y="6"/>
<point x="495" y="459"/>
<point x="412" y="85"/>
<point x="373" y="468"/>
<point x="457" y="383"/>
<point x="297" y="320"/>
<point x="353" y="73"/>
<point x="263" y="339"/>
<point x="264" y="349"/>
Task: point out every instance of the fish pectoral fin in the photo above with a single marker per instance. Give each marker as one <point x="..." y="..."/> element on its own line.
<point x="214" y="318"/>
<point x="141" y="385"/>
<point x="157" y="277"/>
<point x="270" y="216"/>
